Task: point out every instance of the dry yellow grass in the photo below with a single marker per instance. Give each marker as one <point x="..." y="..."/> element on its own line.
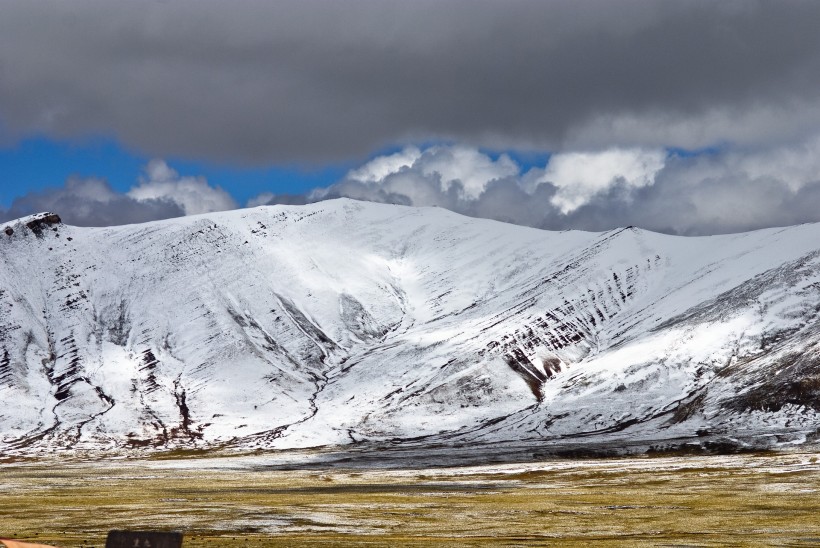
<point x="669" y="501"/>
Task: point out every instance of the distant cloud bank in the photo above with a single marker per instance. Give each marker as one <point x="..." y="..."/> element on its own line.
<point x="708" y="193"/>
<point x="160" y="194"/>
<point x="714" y="192"/>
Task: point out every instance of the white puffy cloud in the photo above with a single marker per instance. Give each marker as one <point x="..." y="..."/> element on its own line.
<point x="473" y="169"/>
<point x="193" y="194"/>
<point x="580" y="175"/>
<point x="380" y="167"/>
<point x="466" y="167"/>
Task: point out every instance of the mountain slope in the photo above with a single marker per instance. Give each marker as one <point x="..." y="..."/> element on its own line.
<point x="341" y="322"/>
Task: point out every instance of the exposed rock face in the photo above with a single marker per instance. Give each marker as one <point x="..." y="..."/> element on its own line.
<point x="343" y="322"/>
<point x="41" y="222"/>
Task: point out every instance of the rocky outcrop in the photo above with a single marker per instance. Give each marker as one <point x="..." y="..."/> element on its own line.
<point x="43" y="221"/>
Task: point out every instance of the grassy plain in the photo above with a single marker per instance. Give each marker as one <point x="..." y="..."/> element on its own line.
<point x="739" y="500"/>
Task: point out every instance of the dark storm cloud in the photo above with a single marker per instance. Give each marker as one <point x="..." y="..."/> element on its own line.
<point x="320" y="80"/>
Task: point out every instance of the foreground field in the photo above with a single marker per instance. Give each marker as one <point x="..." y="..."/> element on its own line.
<point x="746" y="500"/>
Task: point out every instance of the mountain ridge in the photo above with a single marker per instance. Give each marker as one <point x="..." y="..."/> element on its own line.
<point x="344" y="323"/>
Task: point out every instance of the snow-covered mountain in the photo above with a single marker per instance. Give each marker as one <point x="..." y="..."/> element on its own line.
<point x="342" y="322"/>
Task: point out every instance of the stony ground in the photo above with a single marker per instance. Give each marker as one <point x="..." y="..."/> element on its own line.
<point x="741" y="500"/>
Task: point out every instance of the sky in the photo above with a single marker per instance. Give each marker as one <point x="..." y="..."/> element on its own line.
<point x="693" y="118"/>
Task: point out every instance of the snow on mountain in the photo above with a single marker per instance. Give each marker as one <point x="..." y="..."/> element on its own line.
<point x="341" y="322"/>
